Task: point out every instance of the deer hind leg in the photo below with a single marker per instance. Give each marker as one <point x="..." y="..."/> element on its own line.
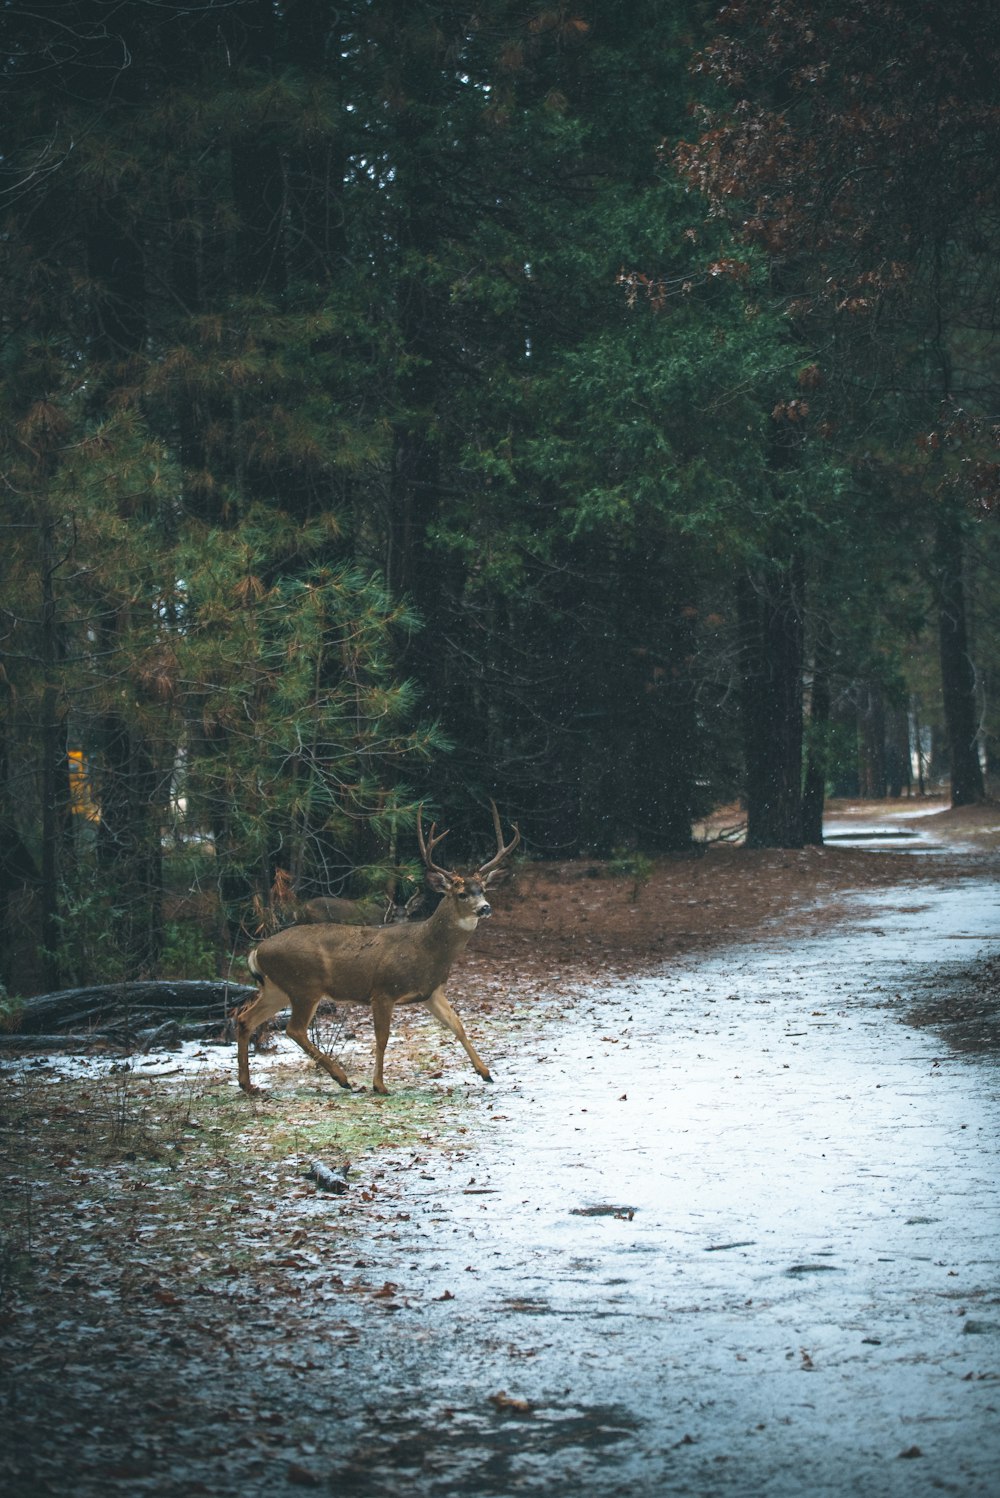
<point x="269" y="1001"/>
<point x="297" y="1029"/>
<point x="445" y="1015"/>
<point x="382" y="1020"/>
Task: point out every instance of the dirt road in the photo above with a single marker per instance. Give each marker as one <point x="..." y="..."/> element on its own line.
<point x="735" y="1233"/>
<point x="727" y="1228"/>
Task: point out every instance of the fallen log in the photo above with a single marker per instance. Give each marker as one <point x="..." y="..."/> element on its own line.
<point x="32" y="1044"/>
<point x="137" y="1006"/>
<point x="122" y="1041"/>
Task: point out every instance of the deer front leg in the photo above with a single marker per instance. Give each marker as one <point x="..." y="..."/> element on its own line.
<point x="249" y="1019"/>
<point x="382" y="1019"/>
<point x="298" y="1030"/>
<point x="445" y="1015"/>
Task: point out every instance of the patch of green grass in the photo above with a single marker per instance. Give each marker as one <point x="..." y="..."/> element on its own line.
<point x="123" y="1118"/>
<point x="356" y="1124"/>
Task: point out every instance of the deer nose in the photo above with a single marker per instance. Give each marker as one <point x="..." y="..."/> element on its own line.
<point x="484" y="910"/>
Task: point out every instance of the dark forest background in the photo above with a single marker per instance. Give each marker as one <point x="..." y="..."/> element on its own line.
<point x="593" y="407"/>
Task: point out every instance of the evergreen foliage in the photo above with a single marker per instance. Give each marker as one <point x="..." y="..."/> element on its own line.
<point x="386" y="420"/>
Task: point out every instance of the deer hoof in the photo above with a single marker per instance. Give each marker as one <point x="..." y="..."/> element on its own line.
<point x="486" y="1076"/>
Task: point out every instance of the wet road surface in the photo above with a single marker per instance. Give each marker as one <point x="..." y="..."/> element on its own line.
<point x="732" y="1230"/>
<point x="723" y="1232"/>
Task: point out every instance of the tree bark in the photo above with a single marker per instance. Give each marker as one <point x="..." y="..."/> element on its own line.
<point x="897" y="751"/>
<point x="55" y="791"/>
<point x="871" y="744"/>
<point x="958" y="677"/>
<point x="818" y="752"/>
<point x="770" y="612"/>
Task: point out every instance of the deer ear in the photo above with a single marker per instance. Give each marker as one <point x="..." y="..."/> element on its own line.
<point x="497" y="876"/>
<point x="437" y="881"/>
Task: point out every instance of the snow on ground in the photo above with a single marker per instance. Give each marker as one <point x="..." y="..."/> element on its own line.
<point x="728" y="1230"/>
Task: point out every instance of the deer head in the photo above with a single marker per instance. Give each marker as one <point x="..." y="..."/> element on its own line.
<point x="468" y="891"/>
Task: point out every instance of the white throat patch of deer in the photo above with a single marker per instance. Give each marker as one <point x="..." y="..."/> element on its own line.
<point x="380" y="966"/>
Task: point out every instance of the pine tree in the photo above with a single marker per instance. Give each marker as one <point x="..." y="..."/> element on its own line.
<point x="862" y="158"/>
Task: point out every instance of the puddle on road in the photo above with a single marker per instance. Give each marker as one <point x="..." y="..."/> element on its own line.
<point x="740" y="1209"/>
<point x="893" y="836"/>
<point x="873" y="835"/>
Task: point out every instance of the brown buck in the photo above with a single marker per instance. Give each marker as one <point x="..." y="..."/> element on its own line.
<point x="380" y="966"/>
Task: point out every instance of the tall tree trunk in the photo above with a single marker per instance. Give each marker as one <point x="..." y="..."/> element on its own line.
<point x="256" y="167"/>
<point x="55" y="790"/>
<point x="916" y="738"/>
<point x="897" y="750"/>
<point x="665" y="738"/>
<point x="818" y="745"/>
<point x="129" y="841"/>
<point x="129" y="832"/>
<point x="958" y="677"/>
<point x="871" y="743"/>
<point x="431" y="579"/>
<point x="770" y="610"/>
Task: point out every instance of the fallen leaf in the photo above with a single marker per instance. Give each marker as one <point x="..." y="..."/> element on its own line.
<point x="503" y="1401"/>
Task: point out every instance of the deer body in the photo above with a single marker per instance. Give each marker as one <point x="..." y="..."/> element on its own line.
<point x="379" y="966"/>
<point x="341" y="912"/>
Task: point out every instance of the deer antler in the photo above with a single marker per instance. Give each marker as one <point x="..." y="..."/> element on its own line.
<point x="502" y="851"/>
<point x="427" y="848"/>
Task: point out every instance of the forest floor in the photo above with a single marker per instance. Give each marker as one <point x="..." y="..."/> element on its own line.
<point x="743" y="1130"/>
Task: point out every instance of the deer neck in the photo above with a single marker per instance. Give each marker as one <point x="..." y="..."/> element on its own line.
<point x="447" y="929"/>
